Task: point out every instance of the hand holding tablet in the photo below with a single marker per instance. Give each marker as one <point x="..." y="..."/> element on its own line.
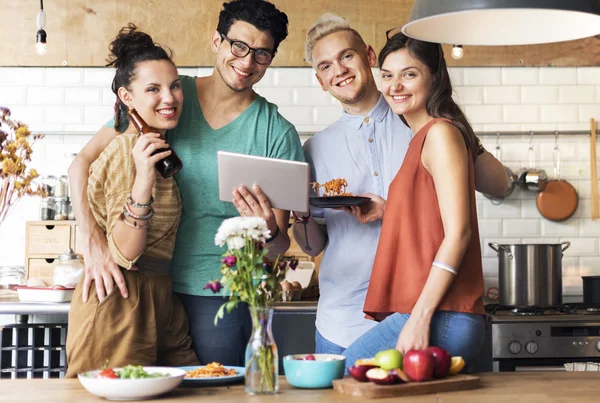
<point x="284" y="182"/>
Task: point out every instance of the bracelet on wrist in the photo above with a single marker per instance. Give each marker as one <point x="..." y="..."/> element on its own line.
<point x="274" y="235"/>
<point x="128" y="213"/>
<point x="131" y="224"/>
<point x="140" y="205"/>
<point x="301" y="219"/>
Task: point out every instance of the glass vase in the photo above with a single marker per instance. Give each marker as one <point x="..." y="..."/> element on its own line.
<point x="262" y="361"/>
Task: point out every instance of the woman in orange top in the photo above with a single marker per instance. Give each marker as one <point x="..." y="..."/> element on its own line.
<point x="427" y="280"/>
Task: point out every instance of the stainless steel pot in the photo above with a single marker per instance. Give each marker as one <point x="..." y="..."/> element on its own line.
<point x="530" y="274"/>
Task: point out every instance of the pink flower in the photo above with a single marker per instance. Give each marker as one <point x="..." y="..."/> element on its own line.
<point x="229" y="260"/>
<point x="214" y="286"/>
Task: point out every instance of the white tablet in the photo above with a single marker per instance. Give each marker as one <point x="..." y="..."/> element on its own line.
<point x="286" y="183"/>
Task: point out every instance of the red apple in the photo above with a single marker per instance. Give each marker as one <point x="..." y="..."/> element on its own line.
<point x="442" y="361"/>
<point x="399" y="374"/>
<point x="419" y="364"/>
<point x="359" y="371"/>
<point x="380" y="376"/>
<point x="310" y="357"/>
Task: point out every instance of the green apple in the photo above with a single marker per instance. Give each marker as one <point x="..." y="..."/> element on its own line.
<point x="389" y="359"/>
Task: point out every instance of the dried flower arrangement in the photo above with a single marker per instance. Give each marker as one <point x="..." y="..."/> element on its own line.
<point x="15" y="153"/>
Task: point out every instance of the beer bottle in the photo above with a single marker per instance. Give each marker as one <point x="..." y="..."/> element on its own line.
<point x="169" y="165"/>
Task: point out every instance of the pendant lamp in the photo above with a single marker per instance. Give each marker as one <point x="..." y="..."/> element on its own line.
<point x="503" y="22"/>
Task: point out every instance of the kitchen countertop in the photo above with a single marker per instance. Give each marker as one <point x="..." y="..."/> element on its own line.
<point x="62" y="308"/>
<point x="506" y="387"/>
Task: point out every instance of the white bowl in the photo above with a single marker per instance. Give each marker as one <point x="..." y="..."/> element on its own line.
<point x="132" y="389"/>
<point x="44" y="294"/>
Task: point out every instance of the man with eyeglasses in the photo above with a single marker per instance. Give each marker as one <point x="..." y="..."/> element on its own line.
<point x="366" y="146"/>
<point x="220" y="112"/>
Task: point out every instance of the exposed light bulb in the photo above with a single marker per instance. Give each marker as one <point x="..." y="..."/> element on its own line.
<point x="457" y="52"/>
<point x="41" y="48"/>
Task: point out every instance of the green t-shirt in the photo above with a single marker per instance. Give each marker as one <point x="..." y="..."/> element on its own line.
<point x="260" y="130"/>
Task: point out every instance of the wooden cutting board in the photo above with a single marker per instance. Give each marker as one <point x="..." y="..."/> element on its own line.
<point x="352" y="387"/>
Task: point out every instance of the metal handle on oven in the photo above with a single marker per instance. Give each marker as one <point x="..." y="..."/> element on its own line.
<point x="541" y="368"/>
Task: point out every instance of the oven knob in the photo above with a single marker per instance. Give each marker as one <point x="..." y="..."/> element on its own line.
<point x="514" y="347"/>
<point x="531" y="347"/>
<point x="598" y="345"/>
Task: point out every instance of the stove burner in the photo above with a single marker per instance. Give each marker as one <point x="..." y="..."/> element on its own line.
<point x="506" y="310"/>
<point x="593" y="309"/>
<point x="527" y="311"/>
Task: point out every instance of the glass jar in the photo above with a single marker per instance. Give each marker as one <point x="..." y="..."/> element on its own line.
<point x="47" y="209"/>
<point x="61" y="208"/>
<point x="68" y="270"/>
<point x="48" y="183"/>
<point x="70" y="213"/>
<point x="61" y="187"/>
<point x="11" y="276"/>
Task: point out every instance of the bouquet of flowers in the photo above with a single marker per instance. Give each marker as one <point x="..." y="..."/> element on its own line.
<point x="246" y="272"/>
<point x="15" y="153"/>
<point x="248" y="276"/>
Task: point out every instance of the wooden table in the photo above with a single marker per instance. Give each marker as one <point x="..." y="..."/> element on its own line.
<point x="579" y="387"/>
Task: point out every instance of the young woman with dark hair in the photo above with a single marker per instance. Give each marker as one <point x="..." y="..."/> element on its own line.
<point x="427" y="281"/>
<point x="139" y="211"/>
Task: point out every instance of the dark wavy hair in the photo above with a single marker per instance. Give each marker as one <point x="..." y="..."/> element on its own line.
<point x="439" y="102"/>
<point x="130" y="47"/>
<point x="260" y="13"/>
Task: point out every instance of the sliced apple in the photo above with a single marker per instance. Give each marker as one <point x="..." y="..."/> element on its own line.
<point x="400" y="374"/>
<point x="381" y="376"/>
<point x="366" y="361"/>
<point x="456" y="365"/>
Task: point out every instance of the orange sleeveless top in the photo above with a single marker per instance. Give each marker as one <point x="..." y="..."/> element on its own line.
<point x="411" y="234"/>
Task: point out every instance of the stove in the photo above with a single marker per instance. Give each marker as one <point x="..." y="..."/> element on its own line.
<point x="544" y="339"/>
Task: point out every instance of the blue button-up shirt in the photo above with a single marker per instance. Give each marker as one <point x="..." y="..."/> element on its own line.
<point x="367" y="151"/>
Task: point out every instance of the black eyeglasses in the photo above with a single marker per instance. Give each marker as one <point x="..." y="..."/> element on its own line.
<point x="390" y="33"/>
<point x="241" y="49"/>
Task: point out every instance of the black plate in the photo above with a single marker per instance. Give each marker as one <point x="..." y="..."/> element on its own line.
<point x="338" y="201"/>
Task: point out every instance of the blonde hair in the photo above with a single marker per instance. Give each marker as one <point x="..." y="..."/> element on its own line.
<point x="327" y="24"/>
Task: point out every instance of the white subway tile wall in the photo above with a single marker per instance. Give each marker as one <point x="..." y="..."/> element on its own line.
<point x="70" y="104"/>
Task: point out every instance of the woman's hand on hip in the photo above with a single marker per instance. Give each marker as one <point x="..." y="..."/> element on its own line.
<point x="414" y="335"/>
<point x="259" y="206"/>
<point x="142" y="151"/>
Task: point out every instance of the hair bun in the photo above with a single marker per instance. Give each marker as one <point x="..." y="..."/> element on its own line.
<point x="128" y="42"/>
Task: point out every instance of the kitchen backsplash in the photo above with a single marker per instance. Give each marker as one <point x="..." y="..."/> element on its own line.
<point x="70" y="104"/>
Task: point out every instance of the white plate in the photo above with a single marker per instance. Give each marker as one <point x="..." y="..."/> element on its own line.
<point x="217" y="380"/>
<point x="132" y="389"/>
<point x="44" y="294"/>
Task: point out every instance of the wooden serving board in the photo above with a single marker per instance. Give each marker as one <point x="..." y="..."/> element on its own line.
<point x="352" y="387"/>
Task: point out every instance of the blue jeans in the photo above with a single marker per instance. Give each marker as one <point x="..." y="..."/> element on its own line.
<point x="324" y="346"/>
<point x="224" y="343"/>
<point x="461" y="334"/>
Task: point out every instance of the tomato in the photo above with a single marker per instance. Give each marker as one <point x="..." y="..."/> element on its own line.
<point x="108" y="373"/>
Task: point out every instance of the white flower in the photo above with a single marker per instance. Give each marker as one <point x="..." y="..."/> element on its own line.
<point x="235" y="242"/>
<point x="233" y="231"/>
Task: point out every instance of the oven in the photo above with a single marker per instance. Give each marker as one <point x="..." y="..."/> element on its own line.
<point x="545" y="340"/>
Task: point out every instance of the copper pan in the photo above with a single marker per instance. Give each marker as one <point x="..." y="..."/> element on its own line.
<point x="559" y="200"/>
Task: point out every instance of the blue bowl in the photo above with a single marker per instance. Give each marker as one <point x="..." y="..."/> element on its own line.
<point x="315" y="374"/>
